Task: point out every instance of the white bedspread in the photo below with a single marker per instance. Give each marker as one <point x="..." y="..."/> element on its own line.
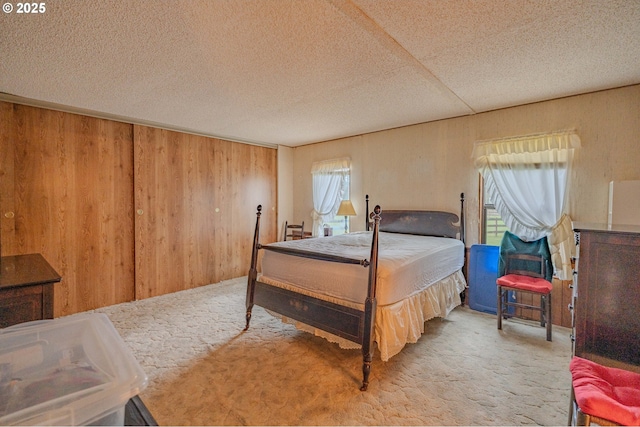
<point x="406" y="265"/>
<point x="419" y="278"/>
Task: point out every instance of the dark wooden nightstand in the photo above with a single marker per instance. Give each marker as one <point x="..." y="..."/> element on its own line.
<point x="26" y="289"/>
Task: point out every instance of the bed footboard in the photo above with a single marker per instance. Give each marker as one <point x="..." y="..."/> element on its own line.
<point x="345" y="322"/>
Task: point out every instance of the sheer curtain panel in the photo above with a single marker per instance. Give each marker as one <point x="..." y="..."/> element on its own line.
<point x="329" y="180"/>
<point x="527" y="179"/>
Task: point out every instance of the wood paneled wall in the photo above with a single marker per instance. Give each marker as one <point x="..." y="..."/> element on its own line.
<point x="125" y="212"/>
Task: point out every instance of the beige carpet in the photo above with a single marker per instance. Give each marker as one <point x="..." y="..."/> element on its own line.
<point x="203" y="370"/>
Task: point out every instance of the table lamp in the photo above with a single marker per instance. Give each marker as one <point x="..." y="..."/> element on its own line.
<point x="346" y="209"/>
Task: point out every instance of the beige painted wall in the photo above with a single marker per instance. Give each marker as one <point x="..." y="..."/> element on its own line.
<point x="427" y="166"/>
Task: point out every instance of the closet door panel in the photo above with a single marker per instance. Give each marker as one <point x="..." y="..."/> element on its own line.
<point x="195" y="200"/>
<point x="7" y="181"/>
<point x="73" y="203"/>
<point x="253" y="182"/>
<point x="159" y="219"/>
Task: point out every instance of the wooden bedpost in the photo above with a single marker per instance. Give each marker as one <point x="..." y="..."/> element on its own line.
<point x="463" y="294"/>
<point x="253" y="270"/>
<point x="370" y="303"/>
<point x="366" y="217"/>
<point x="462" y="217"/>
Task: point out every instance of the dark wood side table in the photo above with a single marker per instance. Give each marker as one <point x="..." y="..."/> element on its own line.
<point x="137" y="414"/>
<point x="26" y="289"/>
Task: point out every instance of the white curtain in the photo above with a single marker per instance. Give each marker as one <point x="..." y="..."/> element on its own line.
<point x="329" y="179"/>
<point x="527" y="180"/>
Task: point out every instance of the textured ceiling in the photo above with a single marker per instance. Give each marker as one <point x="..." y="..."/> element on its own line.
<point x="294" y="72"/>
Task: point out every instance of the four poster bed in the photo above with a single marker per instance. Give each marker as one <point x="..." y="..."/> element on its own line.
<point x="327" y="286"/>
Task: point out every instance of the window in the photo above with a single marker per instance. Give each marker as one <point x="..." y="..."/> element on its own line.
<point x="330" y="187"/>
<point x="493" y="227"/>
<point x="338" y="223"/>
<point x="526" y="180"/>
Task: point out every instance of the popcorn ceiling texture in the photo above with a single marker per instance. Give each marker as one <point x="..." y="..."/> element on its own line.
<point x="294" y="72"/>
<point x="203" y="370"/>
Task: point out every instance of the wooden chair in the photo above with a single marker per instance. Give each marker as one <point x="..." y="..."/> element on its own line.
<point x="603" y="395"/>
<point x="294" y="231"/>
<point x="520" y="277"/>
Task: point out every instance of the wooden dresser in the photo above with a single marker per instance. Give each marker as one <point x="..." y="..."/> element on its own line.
<point x="607" y="295"/>
<point x="26" y="289"/>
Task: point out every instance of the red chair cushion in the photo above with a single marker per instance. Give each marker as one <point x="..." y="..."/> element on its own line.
<point x="525" y="283"/>
<point x="609" y="393"/>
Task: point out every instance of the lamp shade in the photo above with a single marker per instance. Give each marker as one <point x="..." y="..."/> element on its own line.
<point x="346" y="208"/>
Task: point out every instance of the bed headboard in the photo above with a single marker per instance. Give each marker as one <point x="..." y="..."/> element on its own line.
<point x="423" y="223"/>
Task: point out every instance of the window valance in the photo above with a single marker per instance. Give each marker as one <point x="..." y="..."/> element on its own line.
<point x="532" y="149"/>
<point x="331" y="166"/>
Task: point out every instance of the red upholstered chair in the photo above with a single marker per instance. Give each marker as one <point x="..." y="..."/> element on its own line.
<point x="603" y="395"/>
<point x="529" y="281"/>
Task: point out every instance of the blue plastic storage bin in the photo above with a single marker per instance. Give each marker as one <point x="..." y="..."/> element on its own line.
<point x="483" y="272"/>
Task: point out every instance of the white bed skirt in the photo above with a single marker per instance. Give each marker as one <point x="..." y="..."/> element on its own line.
<point x="396" y="324"/>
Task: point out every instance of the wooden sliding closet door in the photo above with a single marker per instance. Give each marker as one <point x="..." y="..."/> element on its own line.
<point x="195" y="204"/>
<point x="67" y="194"/>
<point x="7" y="181"/>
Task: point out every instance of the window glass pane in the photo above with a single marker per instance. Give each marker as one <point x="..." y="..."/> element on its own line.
<point x="493" y="227"/>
